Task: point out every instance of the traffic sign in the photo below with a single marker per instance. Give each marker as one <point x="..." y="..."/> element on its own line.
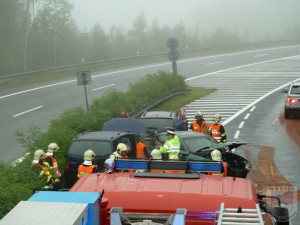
<point x="172" y="43"/>
<point x="173" y="55"/>
<point x="83" y="77"/>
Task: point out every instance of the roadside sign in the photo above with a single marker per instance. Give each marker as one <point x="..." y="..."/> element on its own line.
<point x="173" y="55"/>
<point x="83" y="77"/>
<point x="172" y="43"/>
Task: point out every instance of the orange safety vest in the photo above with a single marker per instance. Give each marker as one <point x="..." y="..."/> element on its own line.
<point x="54" y="165"/>
<point x="204" y="128"/>
<point x="83" y="170"/>
<point x="225" y="173"/>
<point x="140" y="154"/>
<point x="216" y="134"/>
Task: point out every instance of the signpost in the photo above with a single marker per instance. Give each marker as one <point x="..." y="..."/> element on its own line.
<point x="173" y="54"/>
<point x="84" y="78"/>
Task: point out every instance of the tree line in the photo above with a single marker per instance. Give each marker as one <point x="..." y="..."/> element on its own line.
<point x="38" y="34"/>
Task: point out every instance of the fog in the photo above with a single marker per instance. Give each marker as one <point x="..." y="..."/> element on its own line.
<point x="253" y="19"/>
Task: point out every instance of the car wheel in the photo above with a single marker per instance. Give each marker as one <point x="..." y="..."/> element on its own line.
<point x="286" y="114"/>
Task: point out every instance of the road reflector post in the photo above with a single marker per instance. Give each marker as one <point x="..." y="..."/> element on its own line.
<point x="173" y="54"/>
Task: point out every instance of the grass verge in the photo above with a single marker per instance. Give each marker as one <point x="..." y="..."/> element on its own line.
<point x="179" y="101"/>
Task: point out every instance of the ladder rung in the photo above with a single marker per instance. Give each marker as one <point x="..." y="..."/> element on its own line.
<point x="240" y="219"/>
<point x="235" y="223"/>
<point x="241" y="214"/>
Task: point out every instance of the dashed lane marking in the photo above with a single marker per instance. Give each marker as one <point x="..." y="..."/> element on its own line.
<point x="237" y="133"/>
<point x="208" y="64"/>
<point x="241" y="124"/>
<point x="247" y="116"/>
<point x="261" y="55"/>
<point x="103" y="87"/>
<point x="251" y="110"/>
<point x="19" y="114"/>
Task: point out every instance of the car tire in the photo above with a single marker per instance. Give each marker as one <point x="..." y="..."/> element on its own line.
<point x="286" y="114"/>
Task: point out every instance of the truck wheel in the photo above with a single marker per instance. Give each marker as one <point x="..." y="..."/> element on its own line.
<point x="281" y="215"/>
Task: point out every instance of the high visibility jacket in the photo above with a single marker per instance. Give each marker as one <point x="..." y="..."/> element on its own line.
<point x="140" y="151"/>
<point x="44" y="172"/>
<point x="54" y="165"/>
<point x="204" y="127"/>
<point x="223" y="173"/>
<point x="172" y="147"/>
<point x="83" y="170"/>
<point x="218" y="132"/>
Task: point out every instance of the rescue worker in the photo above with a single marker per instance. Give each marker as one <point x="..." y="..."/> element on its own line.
<point x="218" y="130"/>
<point x="42" y="176"/>
<point x="172" y="145"/>
<point x="216" y="155"/>
<point x="50" y="158"/>
<point x="200" y="125"/>
<point x="88" y="166"/>
<point x="121" y="152"/>
<point x="142" y="150"/>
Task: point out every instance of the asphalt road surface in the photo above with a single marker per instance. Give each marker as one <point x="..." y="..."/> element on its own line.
<point x="252" y="104"/>
<point x="37" y="104"/>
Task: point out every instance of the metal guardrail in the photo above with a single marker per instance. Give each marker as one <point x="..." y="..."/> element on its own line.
<point x="156" y="102"/>
<point x="140" y="58"/>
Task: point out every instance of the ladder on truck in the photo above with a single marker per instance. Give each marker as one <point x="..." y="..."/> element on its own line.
<point x="117" y="215"/>
<point x="245" y="217"/>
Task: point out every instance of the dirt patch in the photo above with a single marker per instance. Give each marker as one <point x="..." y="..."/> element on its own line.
<point x="265" y="172"/>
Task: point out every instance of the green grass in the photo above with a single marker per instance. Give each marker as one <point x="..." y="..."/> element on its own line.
<point x="179" y="101"/>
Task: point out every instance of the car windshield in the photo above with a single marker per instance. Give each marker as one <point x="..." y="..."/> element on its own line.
<point x="196" y="143"/>
<point x="295" y="90"/>
<point x="159" y="123"/>
<point x="100" y="148"/>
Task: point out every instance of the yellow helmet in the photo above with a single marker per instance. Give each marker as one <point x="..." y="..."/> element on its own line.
<point x="122" y="147"/>
<point x="216" y="155"/>
<point x="38" y="154"/>
<point x="199" y="114"/>
<point x="155" y="154"/>
<point x="217" y="117"/>
<point x="52" y="147"/>
<point x="173" y="157"/>
<point x="89" y="155"/>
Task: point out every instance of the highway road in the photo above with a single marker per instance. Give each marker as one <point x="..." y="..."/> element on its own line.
<point x="38" y="103"/>
<point x="251" y="102"/>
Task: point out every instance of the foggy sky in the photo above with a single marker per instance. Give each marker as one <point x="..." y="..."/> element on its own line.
<point x="255" y="17"/>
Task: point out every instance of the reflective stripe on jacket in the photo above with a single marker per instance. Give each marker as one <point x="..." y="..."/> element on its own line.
<point x="44" y="172"/>
<point x="140" y="151"/>
<point x="203" y="128"/>
<point x="172" y="147"/>
<point x="83" y="170"/>
<point x="54" y="165"/>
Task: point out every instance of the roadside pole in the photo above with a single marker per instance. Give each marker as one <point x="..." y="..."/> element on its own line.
<point x="173" y="54"/>
<point x="84" y="78"/>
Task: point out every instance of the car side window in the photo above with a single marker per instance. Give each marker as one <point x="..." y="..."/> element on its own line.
<point x="125" y="140"/>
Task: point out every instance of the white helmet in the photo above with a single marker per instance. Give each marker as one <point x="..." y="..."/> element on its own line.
<point x="217" y="118"/>
<point x="122" y="147"/>
<point x="89" y="155"/>
<point x="155" y="154"/>
<point x="216" y="155"/>
<point x="173" y="157"/>
<point x="52" y="147"/>
<point x="38" y="154"/>
<point x="199" y="114"/>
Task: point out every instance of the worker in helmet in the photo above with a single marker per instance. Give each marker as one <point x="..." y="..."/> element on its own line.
<point x="121" y="152"/>
<point x="50" y="158"/>
<point x="200" y="125"/>
<point x="155" y="154"/>
<point x="218" y="130"/>
<point x="88" y="166"/>
<point x="172" y="145"/>
<point x="216" y="155"/>
<point x="142" y="150"/>
<point x="41" y="172"/>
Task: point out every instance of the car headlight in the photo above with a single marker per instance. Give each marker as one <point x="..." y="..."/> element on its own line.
<point x="248" y="166"/>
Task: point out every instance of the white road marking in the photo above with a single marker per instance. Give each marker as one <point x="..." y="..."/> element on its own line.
<point x="237" y="67"/>
<point x="251" y="110"/>
<point x="255" y="102"/>
<point x="208" y="64"/>
<point x="261" y="55"/>
<point x="103" y="87"/>
<point x="247" y="116"/>
<point x="241" y="124"/>
<point x="237" y="133"/>
<point x="19" y="114"/>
